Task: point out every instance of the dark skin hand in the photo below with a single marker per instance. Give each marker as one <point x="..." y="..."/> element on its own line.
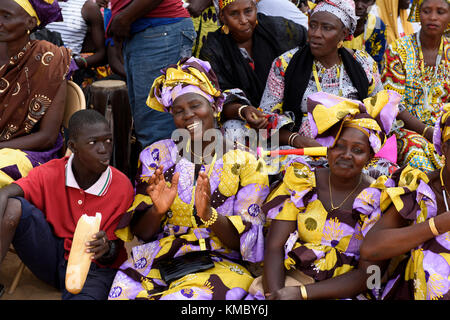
<point x="99" y="246"/>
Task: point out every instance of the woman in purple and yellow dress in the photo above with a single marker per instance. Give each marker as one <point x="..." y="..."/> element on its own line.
<point x="417" y="66"/>
<point x="192" y="198"/>
<point x="414" y="230"/>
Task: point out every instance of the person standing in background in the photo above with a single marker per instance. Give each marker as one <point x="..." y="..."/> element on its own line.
<point x="154" y="34"/>
<point x="369" y="33"/>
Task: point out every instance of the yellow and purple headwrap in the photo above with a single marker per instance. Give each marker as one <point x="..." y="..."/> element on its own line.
<point x="328" y="114"/>
<point x="189" y="75"/>
<point x="442" y="129"/>
<point x="45" y="11"/>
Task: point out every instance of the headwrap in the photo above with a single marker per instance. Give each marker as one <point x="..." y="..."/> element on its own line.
<point x="442" y="129"/>
<point x="45" y="11"/>
<point x="344" y="10"/>
<point x="188" y="75"/>
<point x="328" y="114"/>
<point x="414" y="14"/>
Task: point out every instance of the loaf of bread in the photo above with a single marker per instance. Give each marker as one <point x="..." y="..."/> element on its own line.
<point x="80" y="260"/>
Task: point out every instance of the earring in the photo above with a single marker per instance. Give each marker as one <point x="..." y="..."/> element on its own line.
<point x="340" y="44"/>
<point x="28" y="31"/>
<point x="257" y="21"/>
<point x="225" y="29"/>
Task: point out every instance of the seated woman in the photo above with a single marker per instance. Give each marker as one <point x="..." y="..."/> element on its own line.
<point x="192" y="198"/>
<point x="241" y="53"/>
<point x="321" y="65"/>
<point x="320" y="216"/>
<point x="416" y="226"/>
<point x="32" y="89"/>
<point x="417" y="66"/>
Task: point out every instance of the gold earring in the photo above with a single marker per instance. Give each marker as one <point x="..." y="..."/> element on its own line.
<point x="340" y="44"/>
<point x="225" y="29"/>
<point x="28" y="31"/>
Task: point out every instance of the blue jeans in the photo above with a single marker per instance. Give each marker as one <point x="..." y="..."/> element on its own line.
<point x="145" y="54"/>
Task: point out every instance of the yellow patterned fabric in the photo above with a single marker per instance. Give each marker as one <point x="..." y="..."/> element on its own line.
<point x="389" y="12"/>
<point x="41" y="9"/>
<point x="325" y="244"/>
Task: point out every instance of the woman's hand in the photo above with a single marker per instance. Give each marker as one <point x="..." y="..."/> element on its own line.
<point x="203" y="196"/>
<point x="99" y="246"/>
<point x="255" y="118"/>
<point x="161" y="195"/>
<point x="286" y="293"/>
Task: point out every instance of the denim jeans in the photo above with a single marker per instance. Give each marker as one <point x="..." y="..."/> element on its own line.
<point x="145" y="54"/>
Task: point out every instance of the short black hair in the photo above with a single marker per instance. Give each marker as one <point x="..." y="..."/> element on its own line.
<point x="82" y="118"/>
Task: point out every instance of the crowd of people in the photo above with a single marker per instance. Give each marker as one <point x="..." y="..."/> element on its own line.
<point x="353" y="93"/>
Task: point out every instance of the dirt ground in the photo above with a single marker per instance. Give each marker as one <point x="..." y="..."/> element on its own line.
<point x="29" y="287"/>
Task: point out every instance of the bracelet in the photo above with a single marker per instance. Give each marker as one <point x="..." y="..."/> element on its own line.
<point x="303" y="292"/>
<point x="433" y="228"/>
<point x="240" y="110"/>
<point x="292" y="138"/>
<point x="211" y="220"/>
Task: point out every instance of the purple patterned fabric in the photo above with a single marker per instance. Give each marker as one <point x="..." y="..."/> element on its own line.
<point x="47" y="12"/>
